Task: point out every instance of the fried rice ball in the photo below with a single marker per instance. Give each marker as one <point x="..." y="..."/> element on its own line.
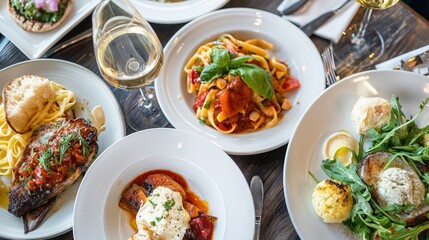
<point x="332" y="200"/>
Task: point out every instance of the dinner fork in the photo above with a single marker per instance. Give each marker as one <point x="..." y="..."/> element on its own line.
<point x="331" y="76"/>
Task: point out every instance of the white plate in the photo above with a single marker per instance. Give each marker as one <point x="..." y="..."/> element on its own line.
<point x="178" y="12"/>
<point x="291" y="45"/>
<point x="201" y="163"/>
<point x="34" y="45"/>
<point x="328" y="114"/>
<point x="88" y="89"/>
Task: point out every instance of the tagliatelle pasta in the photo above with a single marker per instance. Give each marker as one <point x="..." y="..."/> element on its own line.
<point x="239" y="87"/>
<point x="12" y="144"/>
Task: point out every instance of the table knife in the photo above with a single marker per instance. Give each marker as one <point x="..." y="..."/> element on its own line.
<point x="257" y="189"/>
<point x="293" y="6"/>
<point x="310" y="27"/>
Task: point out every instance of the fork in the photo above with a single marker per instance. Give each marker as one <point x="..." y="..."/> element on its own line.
<point x="331" y="76"/>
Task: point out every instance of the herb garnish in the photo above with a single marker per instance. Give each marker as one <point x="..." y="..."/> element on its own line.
<point x="84" y="144"/>
<point x="153" y="204"/>
<point x="257" y="78"/>
<point x="44" y="159"/>
<point x="65" y="144"/>
<point x="169" y="204"/>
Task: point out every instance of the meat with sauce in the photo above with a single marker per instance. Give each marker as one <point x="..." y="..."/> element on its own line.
<point x="55" y="157"/>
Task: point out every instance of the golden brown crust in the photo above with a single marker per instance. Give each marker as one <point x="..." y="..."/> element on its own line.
<point x="35" y="26"/>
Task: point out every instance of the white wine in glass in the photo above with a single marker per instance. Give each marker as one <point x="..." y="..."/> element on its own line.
<point x="129" y="56"/>
<point x="362" y="48"/>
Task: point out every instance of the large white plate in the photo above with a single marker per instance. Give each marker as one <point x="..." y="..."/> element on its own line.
<point x="291" y="45"/>
<point x="90" y="92"/>
<point x="200" y="162"/>
<point x="177" y="12"/>
<point x="328" y="114"/>
<point x="34" y="45"/>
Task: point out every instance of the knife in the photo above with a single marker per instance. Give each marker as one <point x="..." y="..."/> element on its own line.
<point x="257" y="189"/>
<point x="310" y="27"/>
<point x="293" y="6"/>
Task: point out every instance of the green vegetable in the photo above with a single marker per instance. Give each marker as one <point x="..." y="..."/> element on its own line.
<point x="258" y="79"/>
<point x="169" y="204"/>
<point x="404" y="139"/>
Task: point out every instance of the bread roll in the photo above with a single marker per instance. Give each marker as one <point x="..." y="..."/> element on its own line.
<point x="25" y="97"/>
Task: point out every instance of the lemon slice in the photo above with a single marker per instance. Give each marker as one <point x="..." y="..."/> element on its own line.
<point x="341" y="145"/>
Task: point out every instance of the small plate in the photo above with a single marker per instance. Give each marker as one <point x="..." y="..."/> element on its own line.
<point x="90" y="91"/>
<point x="176" y="12"/>
<point x="200" y="162"/>
<point x="34" y="45"/>
<point x="290" y="45"/>
<point x="328" y="114"/>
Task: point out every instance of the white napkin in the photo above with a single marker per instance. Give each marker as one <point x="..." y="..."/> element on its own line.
<point x="332" y="28"/>
<point x="391" y="63"/>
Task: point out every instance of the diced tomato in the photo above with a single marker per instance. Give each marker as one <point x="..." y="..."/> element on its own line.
<point x="194" y="77"/>
<point x="290" y="84"/>
<point x="235" y="97"/>
<point x="200" y="100"/>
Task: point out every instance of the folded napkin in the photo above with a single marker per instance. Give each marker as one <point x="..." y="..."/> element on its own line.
<point x="392" y="63"/>
<point x="332" y="28"/>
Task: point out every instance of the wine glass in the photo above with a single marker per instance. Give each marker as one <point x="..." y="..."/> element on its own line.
<point x="362" y="48"/>
<point x="129" y="56"/>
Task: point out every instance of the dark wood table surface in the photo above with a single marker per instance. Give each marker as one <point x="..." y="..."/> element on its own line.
<point x="403" y="29"/>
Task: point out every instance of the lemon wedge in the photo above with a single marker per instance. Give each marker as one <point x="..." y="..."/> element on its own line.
<point x="341" y="145"/>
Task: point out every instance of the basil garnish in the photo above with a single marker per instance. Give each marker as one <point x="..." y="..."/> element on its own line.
<point x="258" y="79"/>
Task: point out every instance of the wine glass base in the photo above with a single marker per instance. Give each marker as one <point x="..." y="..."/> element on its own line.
<point x="139" y="116"/>
<point x="359" y="53"/>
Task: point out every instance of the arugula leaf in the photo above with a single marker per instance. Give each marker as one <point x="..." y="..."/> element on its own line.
<point x="256" y="78"/>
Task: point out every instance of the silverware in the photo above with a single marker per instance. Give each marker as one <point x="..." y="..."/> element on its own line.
<point x="84" y="35"/>
<point x="331" y="75"/>
<point x="257" y="189"/>
<point x="415" y="61"/>
<point x="310" y="27"/>
<point x="296" y="6"/>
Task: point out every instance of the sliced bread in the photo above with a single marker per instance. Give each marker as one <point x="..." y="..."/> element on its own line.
<point x="24" y="97"/>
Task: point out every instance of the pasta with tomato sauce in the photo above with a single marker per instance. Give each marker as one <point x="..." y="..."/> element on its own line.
<point x="238" y="86"/>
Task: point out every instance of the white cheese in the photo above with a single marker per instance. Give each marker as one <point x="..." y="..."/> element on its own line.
<point x="400" y="186"/>
<point x="162" y="216"/>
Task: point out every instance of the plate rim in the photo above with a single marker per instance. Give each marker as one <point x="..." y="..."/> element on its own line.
<point x="122" y="131"/>
<point x="175" y="133"/>
<point x="166" y="9"/>
<point x="343" y="81"/>
<point x="319" y="85"/>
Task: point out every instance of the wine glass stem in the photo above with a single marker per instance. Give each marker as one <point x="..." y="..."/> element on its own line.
<point x="145" y="99"/>
<point x="358" y="39"/>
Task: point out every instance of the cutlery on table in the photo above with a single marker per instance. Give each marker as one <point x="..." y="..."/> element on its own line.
<point x="257" y="189"/>
<point x="310" y="27"/>
<point x="295" y="6"/>
<point x="415" y="61"/>
<point x="331" y="75"/>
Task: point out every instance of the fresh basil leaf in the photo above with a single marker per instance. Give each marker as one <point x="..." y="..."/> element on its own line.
<point x="220" y="56"/>
<point x="211" y="72"/>
<point x="236" y="62"/>
<point x="256" y="78"/>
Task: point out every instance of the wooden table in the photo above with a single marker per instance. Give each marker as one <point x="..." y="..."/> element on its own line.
<point x="403" y="29"/>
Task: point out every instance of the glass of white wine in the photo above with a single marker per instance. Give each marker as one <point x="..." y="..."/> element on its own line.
<point x="129" y="56"/>
<point x="362" y="48"/>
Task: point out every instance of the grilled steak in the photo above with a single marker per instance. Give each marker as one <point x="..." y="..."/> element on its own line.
<point x="56" y="155"/>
